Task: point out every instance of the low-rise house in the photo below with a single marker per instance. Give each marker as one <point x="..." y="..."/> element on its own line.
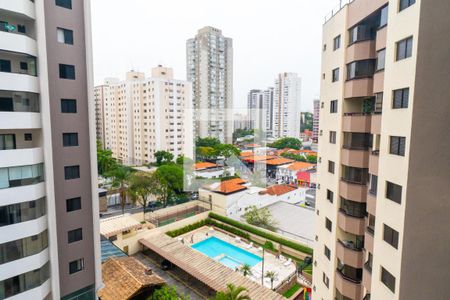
<point x="288" y="173"/>
<point x="119" y="227"/>
<point x="128" y="279"/>
<point x="211" y="170"/>
<point x="270" y="166"/>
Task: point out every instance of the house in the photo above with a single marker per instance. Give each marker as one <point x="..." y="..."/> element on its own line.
<point x="119" y="227"/>
<point x="127" y="278"/>
<point x="211" y="170"/>
<point x="270" y="166"/>
<point x="288" y="173"/>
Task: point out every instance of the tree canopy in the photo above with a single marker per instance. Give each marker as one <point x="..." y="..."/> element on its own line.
<point x="260" y="217"/>
<point x="287" y="142"/>
<point x="141" y="186"/>
<point x="207" y="142"/>
<point x="163" y="157"/>
<point x="233" y="293"/>
<point x="105" y="161"/>
<point x="296" y="157"/>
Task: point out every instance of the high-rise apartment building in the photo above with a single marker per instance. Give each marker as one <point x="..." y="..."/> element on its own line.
<point x="316" y="114"/>
<point x="383" y="209"/>
<point x="286" y="106"/>
<point x="210" y="69"/>
<point x="138" y="116"/>
<point x="49" y="237"/>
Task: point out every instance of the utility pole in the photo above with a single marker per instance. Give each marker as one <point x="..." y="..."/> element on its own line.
<point x="262" y="273"/>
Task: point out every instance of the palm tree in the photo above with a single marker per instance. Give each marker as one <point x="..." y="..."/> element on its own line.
<point x="246" y="269"/>
<point x="120" y="178"/>
<point x="233" y="293"/>
<point x="272" y="275"/>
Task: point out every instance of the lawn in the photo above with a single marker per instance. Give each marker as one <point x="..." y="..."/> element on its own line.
<point x="290" y="292"/>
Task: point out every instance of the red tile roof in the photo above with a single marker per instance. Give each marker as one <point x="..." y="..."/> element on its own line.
<point x="279" y="189"/>
<point x="278" y="161"/>
<point x="300" y="165"/>
<point x="231" y="186"/>
<point x="204" y="165"/>
<point x="246" y="153"/>
<point x="258" y="158"/>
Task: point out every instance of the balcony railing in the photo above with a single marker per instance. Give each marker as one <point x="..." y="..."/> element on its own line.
<point x="368" y="266"/>
<point x="349" y="180"/>
<point x="357" y="114"/>
<point x="350" y="245"/>
<point x="353" y="280"/>
<point x="370" y="230"/>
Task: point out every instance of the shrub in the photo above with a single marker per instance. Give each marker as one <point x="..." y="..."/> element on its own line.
<point x="185" y="229"/>
<point x="261" y="233"/>
<point x="269" y="245"/>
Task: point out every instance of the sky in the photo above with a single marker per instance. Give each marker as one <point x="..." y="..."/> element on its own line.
<point x="269" y="37"/>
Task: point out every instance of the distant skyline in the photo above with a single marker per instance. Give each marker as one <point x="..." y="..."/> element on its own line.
<point x="269" y="37"/>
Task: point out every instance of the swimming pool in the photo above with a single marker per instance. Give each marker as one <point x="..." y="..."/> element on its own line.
<point x="227" y="254"/>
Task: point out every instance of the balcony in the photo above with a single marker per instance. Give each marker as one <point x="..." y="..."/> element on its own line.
<point x="356" y="122"/>
<point x="373" y="162"/>
<point x="375" y="124"/>
<point x="20" y="120"/>
<point x="371" y="203"/>
<point x="18" y="43"/>
<point x="361" y="50"/>
<point x="19" y="82"/>
<point x="21" y="7"/>
<point x="355" y="156"/>
<point x="351" y="224"/>
<point x="348" y="287"/>
<point x="21" y="157"/>
<point x="367" y="277"/>
<point x="349" y="254"/>
<point x="355" y="88"/>
<point x="352" y="190"/>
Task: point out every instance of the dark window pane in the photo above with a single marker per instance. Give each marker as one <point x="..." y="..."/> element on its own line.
<point x="64" y="3"/>
<point x="75" y="235"/>
<point x="5" y="65"/>
<point x="73" y="204"/>
<point x="393" y="192"/>
<point x="66" y="71"/>
<point x="70" y="139"/>
<point x="388" y="279"/>
<point x="68" y="105"/>
<point x="71" y="172"/>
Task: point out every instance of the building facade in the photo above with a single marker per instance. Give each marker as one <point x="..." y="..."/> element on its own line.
<point x="286" y="106"/>
<point x="49" y="237"/>
<point x="316" y="115"/>
<point x="140" y="116"/>
<point x="210" y="69"/>
<point x="382" y="203"/>
<point x="260" y="110"/>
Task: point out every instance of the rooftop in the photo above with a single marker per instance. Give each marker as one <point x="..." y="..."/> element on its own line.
<point x="230" y="186"/>
<point x="204" y="165"/>
<point x="117" y="224"/>
<point x="125" y="277"/>
<point x="278" y="161"/>
<point x="279" y="189"/>
<point x="300" y="165"/>
<point x="257" y="158"/>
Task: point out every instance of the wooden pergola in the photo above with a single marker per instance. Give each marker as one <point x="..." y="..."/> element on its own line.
<point x="205" y="269"/>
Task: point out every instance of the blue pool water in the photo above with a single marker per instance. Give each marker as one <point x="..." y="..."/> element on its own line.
<point x="229" y="255"/>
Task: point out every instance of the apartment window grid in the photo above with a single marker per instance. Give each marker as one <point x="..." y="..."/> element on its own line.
<point x="403" y="4"/>
<point x="69" y="106"/>
<point x="388" y="279"/>
<point x="404" y="48"/>
<point x="390" y="236"/>
<point x="333" y="106"/>
<point x="326" y="280"/>
<point x="400" y="98"/>
<point x="64" y="36"/>
<point x="328" y="224"/>
<point x="397" y="145"/>
<point x="394" y="192"/>
<point x="331" y="166"/>
<point x="327" y="252"/>
<point x="75" y="235"/>
<point x="335" y="75"/>
<point x="70" y="139"/>
<point x="64" y="3"/>
<point x="332" y="137"/>
<point x="330" y="196"/>
<point x="71" y="172"/>
<point x="73" y="204"/>
<point x="337" y="43"/>
<point x="76" y="266"/>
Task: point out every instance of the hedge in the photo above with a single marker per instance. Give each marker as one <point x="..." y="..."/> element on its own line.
<point x="261" y="233"/>
<point x="185" y="229"/>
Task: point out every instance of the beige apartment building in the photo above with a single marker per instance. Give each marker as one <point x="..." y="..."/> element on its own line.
<point x="138" y="116"/>
<point x="383" y="208"/>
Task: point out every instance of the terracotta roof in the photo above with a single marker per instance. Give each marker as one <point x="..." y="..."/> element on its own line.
<point x="279" y="189"/>
<point x="278" y="161"/>
<point x="300" y="165"/>
<point x="246" y="153"/>
<point x="231" y="186"/>
<point x="125" y="277"/>
<point x="252" y="145"/>
<point x="258" y="158"/>
<point x="204" y="165"/>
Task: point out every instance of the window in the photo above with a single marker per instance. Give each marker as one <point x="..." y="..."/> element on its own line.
<point x="64" y="3"/>
<point x="384" y="16"/>
<point x="28" y="136"/>
<point x="64" y="36"/>
<point x="75" y="235"/>
<point x="73" y="204"/>
<point x="353" y="208"/>
<point x="5" y="65"/>
<point x="21" y="248"/>
<point x="397" y="145"/>
<point x="328" y="224"/>
<point x="390" y="236"/>
<point x="68" y="106"/>
<point x="388" y="279"/>
<point x="335" y="75"/>
<point x="71" y="172"/>
<point x="404" y="48"/>
<point x="23" y="66"/>
<point x="381" y="59"/>
<point x="373" y="184"/>
<point x="333" y="106"/>
<point x="330" y="196"/>
<point x="7" y="141"/>
<point x="331" y="166"/>
<point x="21" y="176"/>
<point x="21" y="28"/>
<point x="405" y="4"/>
<point x="337" y="42"/>
<point x="393" y="192"/>
<point x="66" y="71"/>
<point x="70" y="139"/>
<point x="401" y="98"/>
<point x="21" y="212"/>
<point x="24" y="282"/>
<point x="326" y="280"/>
<point x="324" y="47"/>
<point x="361" y="69"/>
<point x="327" y="252"/>
<point x="76" y="266"/>
<point x="332" y="137"/>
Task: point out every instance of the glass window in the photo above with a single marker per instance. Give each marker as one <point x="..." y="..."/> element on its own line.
<point x="337" y="42"/>
<point x="330" y="196"/>
<point x="66" y="71"/>
<point x="5" y="65"/>
<point x="73" y="204"/>
<point x="388" y="279"/>
<point x="405" y="4"/>
<point x="64" y="3"/>
<point x="333" y="137"/>
<point x="327" y="252"/>
<point x="335" y="75"/>
<point x="7" y="141"/>
<point x="75" y="235"/>
<point x="360" y="69"/>
<point x="355" y="175"/>
<point x="401" y="98"/>
<point x="331" y="166"/>
<point x="76" y="266"/>
<point x="71" y="172"/>
<point x="68" y="105"/>
<point x="397" y="145"/>
<point x="65" y="36"/>
<point x="384" y="16"/>
<point x="21" y="248"/>
<point x="328" y="224"/>
<point x="23" y="282"/>
<point x="70" y="139"/>
<point x="394" y="192"/>
<point x="381" y="59"/>
<point x="404" y="48"/>
<point x="390" y="236"/>
<point x="22" y="212"/>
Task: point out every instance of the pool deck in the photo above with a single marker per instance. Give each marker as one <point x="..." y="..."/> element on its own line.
<point x="271" y="262"/>
<point x="205" y="269"/>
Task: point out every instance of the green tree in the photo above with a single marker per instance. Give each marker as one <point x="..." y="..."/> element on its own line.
<point x="167" y="292"/>
<point x="205" y="153"/>
<point x="226" y="150"/>
<point x="120" y="177"/>
<point x="163" y="157"/>
<point x="272" y="275"/>
<point x="105" y="161"/>
<point x="293" y="156"/>
<point x="287" y="142"/>
<point x="141" y="186"/>
<point x="207" y="142"/>
<point x="239" y="133"/>
<point x="246" y="269"/>
<point x="233" y="293"/>
<point x="311" y="159"/>
<point x="260" y="217"/>
<point x="170" y="178"/>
